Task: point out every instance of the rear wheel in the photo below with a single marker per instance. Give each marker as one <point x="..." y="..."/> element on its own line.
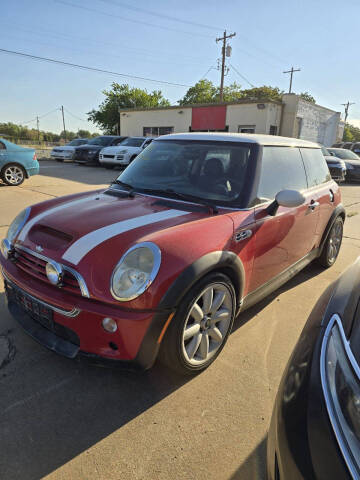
<point x="332" y="245"/>
<point x="201" y="326"/>
<point x="13" y="174"/>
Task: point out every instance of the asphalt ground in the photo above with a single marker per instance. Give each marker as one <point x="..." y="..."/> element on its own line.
<point x="63" y="419"/>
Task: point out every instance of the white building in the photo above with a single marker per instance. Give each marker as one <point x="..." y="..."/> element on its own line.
<point x="292" y="117"/>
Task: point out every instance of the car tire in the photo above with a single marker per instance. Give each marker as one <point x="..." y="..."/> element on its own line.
<point x="332" y="244"/>
<point x="59" y="159"/>
<point x="201" y="326"/>
<point x="13" y="174"/>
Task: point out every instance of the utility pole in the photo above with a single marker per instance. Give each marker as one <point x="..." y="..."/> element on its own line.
<point x="62" y="111"/>
<point x="223" y="40"/>
<point x="291" y="75"/>
<point x="37" y="123"/>
<point x="347" y="105"/>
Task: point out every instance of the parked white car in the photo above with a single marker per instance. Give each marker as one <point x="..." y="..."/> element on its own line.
<point x="124" y="153"/>
<point x="67" y="151"/>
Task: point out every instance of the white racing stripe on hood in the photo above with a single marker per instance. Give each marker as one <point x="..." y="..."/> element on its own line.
<point x="37" y="218"/>
<point x="85" y="244"/>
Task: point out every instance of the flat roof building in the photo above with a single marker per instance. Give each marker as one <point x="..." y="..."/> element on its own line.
<point x="290" y="117"/>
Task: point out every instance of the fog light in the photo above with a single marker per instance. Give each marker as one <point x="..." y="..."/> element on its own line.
<point x="6" y="248"/>
<point x="109" y="325"/>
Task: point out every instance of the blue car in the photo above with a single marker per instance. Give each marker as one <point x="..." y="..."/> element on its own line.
<point x="16" y="163"/>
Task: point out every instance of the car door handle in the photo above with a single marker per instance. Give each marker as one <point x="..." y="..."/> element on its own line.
<point x="313" y="205"/>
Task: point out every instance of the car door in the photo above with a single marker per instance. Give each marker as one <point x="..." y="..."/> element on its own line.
<point x="323" y="189"/>
<point x="3" y="155"/>
<point x="284" y="238"/>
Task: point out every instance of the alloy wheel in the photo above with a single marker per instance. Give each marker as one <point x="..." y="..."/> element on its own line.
<point x="207" y="324"/>
<point x="13" y="175"/>
<point x="335" y="241"/>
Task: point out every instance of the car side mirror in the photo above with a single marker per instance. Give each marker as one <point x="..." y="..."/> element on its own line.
<point x="286" y="198"/>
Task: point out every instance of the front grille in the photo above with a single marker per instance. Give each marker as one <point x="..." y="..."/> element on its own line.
<point x="35" y="267"/>
<point x="108" y="156"/>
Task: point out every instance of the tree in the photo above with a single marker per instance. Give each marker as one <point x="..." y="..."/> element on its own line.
<point x="83" y="133"/>
<point x="203" y="91"/>
<point x="122" y="96"/>
<point x="306" y="96"/>
<point x="263" y="93"/>
<point x="351" y="133"/>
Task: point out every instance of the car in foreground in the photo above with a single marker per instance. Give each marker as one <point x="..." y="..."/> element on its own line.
<point x="67" y="152"/>
<point x="315" y="427"/>
<point x="123" y="154"/>
<point x="197" y="228"/>
<point x="89" y="154"/>
<point x="336" y="166"/>
<point x="16" y="163"/>
<point x="352" y="163"/>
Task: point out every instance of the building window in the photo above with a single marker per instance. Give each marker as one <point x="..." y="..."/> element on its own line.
<point x="246" y="128"/>
<point x="273" y="130"/>
<point x="157" y="131"/>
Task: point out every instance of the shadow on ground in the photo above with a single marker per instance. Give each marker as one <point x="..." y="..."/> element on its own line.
<point x="254" y="466"/>
<point x="53" y="409"/>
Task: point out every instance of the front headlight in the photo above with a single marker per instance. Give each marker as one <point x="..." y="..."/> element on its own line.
<point x="135" y="271"/>
<point x="340" y="378"/>
<point x="17" y="224"/>
<point x="122" y="151"/>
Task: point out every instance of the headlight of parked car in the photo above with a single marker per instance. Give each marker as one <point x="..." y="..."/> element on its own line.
<point x="123" y="151"/>
<point x="17" y="224"/>
<point x="136" y="271"/>
<point x="340" y="377"/>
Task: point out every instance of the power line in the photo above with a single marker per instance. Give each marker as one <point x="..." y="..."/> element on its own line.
<point x="73" y="115"/>
<point x="159" y="15"/>
<point x="93" y="69"/>
<point x="207" y="71"/>
<point x="242" y="76"/>
<point x="112" y="15"/>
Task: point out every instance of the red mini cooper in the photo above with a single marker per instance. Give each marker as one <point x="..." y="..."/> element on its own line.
<point x="196" y="229"/>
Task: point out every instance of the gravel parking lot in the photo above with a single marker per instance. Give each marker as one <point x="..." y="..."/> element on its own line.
<point x="64" y="419"/>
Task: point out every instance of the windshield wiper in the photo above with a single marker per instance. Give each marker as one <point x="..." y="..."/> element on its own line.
<point x="187" y="197"/>
<point x="130" y="188"/>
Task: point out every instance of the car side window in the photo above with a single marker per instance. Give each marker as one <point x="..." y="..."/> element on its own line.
<point x="2" y="146"/>
<point x="281" y="168"/>
<point x="316" y="167"/>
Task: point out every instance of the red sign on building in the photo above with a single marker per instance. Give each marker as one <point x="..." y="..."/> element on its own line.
<point x="208" y="118"/>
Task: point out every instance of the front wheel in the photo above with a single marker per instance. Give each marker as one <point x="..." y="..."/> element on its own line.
<point x="201" y="326"/>
<point x="109" y="167"/>
<point x="332" y="245"/>
<point x="13" y="175"/>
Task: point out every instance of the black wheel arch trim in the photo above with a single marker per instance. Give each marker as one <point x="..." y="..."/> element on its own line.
<point x="219" y="261"/>
<point x="338" y="212"/>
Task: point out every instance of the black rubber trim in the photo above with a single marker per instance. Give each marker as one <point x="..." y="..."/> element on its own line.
<point x="339" y="210"/>
<point x="41" y="334"/>
<point x="220" y="261"/>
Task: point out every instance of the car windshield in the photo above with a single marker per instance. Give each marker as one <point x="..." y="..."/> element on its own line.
<point x="77" y="142"/>
<point x="133" y="142"/>
<point x="344" y="154"/>
<point x="103" y="141"/>
<point x="216" y="172"/>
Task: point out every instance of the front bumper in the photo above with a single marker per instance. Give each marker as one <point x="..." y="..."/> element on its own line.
<point x="76" y="327"/>
<point x="337" y="173"/>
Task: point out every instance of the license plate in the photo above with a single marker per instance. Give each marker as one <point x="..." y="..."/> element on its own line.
<point x="35" y="309"/>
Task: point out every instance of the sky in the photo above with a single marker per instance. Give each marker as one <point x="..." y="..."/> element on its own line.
<point x="171" y="41"/>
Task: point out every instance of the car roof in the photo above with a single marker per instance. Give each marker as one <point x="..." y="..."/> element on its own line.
<point x="241" y="137"/>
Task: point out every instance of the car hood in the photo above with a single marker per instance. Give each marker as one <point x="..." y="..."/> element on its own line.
<point x="118" y="148"/>
<point x="89" y="147"/>
<point x="65" y="147"/>
<point x="354" y="163"/>
<point x="76" y="230"/>
<point x="334" y="160"/>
